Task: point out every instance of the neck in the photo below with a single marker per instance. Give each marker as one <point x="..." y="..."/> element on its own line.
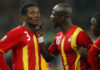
<point x="66" y="26"/>
<point x="29" y="26"/>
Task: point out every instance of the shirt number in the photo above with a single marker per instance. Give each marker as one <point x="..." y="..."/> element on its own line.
<point x="27" y="35"/>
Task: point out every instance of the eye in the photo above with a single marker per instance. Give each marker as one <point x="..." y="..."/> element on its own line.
<point x="32" y="13"/>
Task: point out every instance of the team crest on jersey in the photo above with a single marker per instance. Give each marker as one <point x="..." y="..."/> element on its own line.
<point x="4" y="38"/>
<point x="70" y="39"/>
<point x="58" y="39"/>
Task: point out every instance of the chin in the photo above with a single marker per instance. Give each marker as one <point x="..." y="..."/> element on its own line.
<point x="36" y="23"/>
<point x="32" y="25"/>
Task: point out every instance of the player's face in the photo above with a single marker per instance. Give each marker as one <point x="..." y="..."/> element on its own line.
<point x="55" y="18"/>
<point x="33" y="15"/>
<point x="94" y="28"/>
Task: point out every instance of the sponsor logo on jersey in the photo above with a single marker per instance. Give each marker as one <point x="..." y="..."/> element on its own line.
<point x="58" y="39"/>
<point x="70" y="39"/>
<point x="4" y="38"/>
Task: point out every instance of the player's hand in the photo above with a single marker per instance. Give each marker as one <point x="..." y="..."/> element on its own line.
<point x="84" y="53"/>
<point x="40" y="31"/>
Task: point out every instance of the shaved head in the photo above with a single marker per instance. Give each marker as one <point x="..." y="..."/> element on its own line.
<point x="61" y="15"/>
<point x="63" y="9"/>
<point x="97" y="19"/>
<point x="95" y="25"/>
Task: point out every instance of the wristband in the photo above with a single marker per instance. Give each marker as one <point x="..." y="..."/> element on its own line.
<point x="40" y="39"/>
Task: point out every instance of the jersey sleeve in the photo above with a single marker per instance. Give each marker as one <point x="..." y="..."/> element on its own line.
<point x="9" y="41"/>
<point x="83" y="40"/>
<point x="53" y="48"/>
<point x="97" y="43"/>
<point x="94" y="55"/>
<point x="95" y="48"/>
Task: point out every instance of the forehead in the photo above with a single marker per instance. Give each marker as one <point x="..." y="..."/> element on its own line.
<point x="62" y="9"/>
<point x="57" y="8"/>
<point x="32" y="8"/>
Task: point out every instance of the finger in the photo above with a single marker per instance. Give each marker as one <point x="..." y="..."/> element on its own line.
<point x="43" y="23"/>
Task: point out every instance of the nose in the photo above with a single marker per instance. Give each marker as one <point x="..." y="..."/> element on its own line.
<point x="37" y="15"/>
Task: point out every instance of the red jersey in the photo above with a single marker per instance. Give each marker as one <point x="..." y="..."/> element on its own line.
<point x="94" y="55"/>
<point x="68" y="44"/>
<point x="25" y="49"/>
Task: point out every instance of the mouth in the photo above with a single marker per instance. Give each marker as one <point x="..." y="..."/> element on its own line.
<point x="37" y="21"/>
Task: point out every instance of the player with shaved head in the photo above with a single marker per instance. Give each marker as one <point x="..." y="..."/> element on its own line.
<point x="94" y="52"/>
<point x="68" y="42"/>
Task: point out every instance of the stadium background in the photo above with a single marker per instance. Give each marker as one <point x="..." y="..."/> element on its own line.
<point x="83" y="10"/>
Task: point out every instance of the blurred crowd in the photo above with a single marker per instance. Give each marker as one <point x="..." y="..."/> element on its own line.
<point x="82" y="13"/>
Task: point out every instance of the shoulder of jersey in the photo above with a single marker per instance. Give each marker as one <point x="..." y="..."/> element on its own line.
<point x="98" y="40"/>
<point x="58" y="34"/>
<point x="16" y="31"/>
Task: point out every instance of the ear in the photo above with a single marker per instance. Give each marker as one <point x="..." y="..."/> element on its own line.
<point x="24" y="17"/>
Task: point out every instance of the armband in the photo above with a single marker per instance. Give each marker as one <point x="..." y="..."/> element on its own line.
<point x="40" y="39"/>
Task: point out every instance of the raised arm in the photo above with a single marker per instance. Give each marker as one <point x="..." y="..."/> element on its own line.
<point x="44" y="50"/>
<point x="46" y="54"/>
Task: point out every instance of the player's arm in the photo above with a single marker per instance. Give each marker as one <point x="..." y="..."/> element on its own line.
<point x="94" y="55"/>
<point x="3" y="64"/>
<point x="95" y="48"/>
<point x="97" y="44"/>
<point x="44" y="50"/>
<point x="6" y="43"/>
<point x="50" y="53"/>
<point x="3" y="50"/>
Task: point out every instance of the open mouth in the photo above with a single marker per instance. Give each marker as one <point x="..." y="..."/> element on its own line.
<point x="36" y="20"/>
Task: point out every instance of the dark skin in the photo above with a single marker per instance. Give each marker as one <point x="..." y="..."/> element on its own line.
<point x="93" y="52"/>
<point x="63" y="21"/>
<point x="95" y="27"/>
<point x="54" y="18"/>
<point x="31" y="21"/>
<point x="32" y="18"/>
